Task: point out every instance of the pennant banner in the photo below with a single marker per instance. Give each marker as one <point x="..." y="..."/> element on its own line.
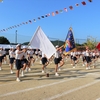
<point x="43" y="16"/>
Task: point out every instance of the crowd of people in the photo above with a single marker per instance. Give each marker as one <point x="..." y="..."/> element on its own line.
<point x="22" y="58"/>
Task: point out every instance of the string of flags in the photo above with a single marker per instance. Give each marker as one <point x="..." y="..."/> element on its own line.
<point x="44" y="16"/>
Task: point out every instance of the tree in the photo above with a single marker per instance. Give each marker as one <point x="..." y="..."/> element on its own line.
<point x="4" y="40"/>
<point x="91" y="42"/>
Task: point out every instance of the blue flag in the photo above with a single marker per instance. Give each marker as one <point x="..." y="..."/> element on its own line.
<point x="69" y="42"/>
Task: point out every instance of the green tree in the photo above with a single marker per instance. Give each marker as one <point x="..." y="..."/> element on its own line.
<point x="4" y="40"/>
<point x="91" y="42"/>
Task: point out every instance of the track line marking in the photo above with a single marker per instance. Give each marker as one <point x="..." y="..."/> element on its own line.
<point x="38" y="87"/>
<point x="72" y="90"/>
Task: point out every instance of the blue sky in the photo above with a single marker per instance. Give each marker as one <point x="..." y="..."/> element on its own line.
<point x="85" y="20"/>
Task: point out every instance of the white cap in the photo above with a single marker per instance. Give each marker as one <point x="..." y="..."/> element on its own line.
<point x="18" y="45"/>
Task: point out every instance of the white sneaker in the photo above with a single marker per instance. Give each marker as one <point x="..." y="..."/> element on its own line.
<point x="14" y="66"/>
<point x="43" y="71"/>
<point x="56" y="74"/>
<point x="59" y="69"/>
<point x="83" y="65"/>
<point x="26" y="69"/>
<point x="11" y="72"/>
<point x="18" y="80"/>
<point x="87" y="68"/>
<point x="73" y="66"/>
<point x="0" y="68"/>
<point x="22" y="74"/>
<point x="29" y="69"/>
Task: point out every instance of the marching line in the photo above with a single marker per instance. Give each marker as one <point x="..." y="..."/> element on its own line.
<point x="38" y="87"/>
<point x="72" y="90"/>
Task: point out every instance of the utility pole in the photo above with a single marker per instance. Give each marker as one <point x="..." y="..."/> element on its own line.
<point x="16" y="36"/>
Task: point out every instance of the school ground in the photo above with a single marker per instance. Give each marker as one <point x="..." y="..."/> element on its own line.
<point x="72" y="84"/>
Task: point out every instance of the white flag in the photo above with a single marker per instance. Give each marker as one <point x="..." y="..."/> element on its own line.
<point x="40" y="41"/>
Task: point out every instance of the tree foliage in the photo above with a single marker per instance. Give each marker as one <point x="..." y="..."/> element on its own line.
<point x="4" y="40"/>
<point x="91" y="43"/>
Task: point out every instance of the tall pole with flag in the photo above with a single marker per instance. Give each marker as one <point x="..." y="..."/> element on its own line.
<point x="69" y="41"/>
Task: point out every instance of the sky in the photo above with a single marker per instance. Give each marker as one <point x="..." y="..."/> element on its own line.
<point x="84" y="20"/>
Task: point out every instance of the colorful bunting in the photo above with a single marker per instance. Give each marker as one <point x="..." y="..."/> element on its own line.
<point x="84" y="3"/>
<point x="56" y="12"/>
<point x="65" y="9"/>
<point x="30" y="21"/>
<point x="77" y="4"/>
<point x="46" y="15"/>
<point x="53" y="14"/>
<point x="60" y="11"/>
<point x="71" y="7"/>
<point x="34" y="20"/>
<point x="42" y="16"/>
<point x="26" y="22"/>
<point x="38" y="18"/>
<point x="90" y="0"/>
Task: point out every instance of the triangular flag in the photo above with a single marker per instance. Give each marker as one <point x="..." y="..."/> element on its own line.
<point x="60" y="11"/>
<point x="56" y="12"/>
<point x="34" y="20"/>
<point x="71" y="7"/>
<point x="38" y="18"/>
<point x="40" y="41"/>
<point x="30" y="21"/>
<point x="77" y="4"/>
<point x="23" y="23"/>
<point x="48" y="14"/>
<point x="83" y="3"/>
<point x="65" y="9"/>
<point x="90" y="0"/>
<point x="42" y="16"/>
<point x="26" y="22"/>
<point x="69" y="42"/>
<point x="53" y="14"/>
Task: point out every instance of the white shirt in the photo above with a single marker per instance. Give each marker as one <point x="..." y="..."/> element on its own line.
<point x="36" y="52"/>
<point x="40" y="52"/>
<point x="30" y="53"/>
<point x="74" y="54"/>
<point x="87" y="53"/>
<point x="71" y="53"/>
<point x="84" y="53"/>
<point x="25" y="55"/>
<point x="11" y="54"/>
<point x="57" y="54"/>
<point x="93" y="54"/>
<point x="18" y="56"/>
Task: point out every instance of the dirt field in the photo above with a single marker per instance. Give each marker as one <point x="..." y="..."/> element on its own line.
<point x="72" y="84"/>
